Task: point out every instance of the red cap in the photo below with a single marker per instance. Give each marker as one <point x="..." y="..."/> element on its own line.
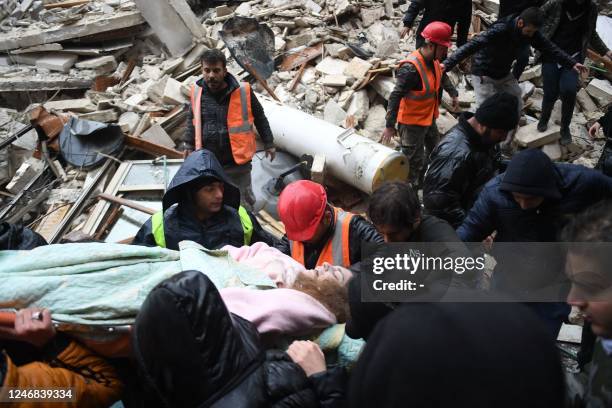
<point x="438" y="33"/>
<point x="301" y="207"/>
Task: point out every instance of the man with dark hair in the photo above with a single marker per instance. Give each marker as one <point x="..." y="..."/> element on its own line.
<point x="530" y="203"/>
<point x="452" y="12"/>
<point x="414" y="102"/>
<point x="498" y="47"/>
<point x="395" y="211"/>
<point x="203" y="206"/>
<point x="221" y="119"/>
<point x="467" y="158"/>
<point x="571" y="25"/>
<point x="589" y="267"/>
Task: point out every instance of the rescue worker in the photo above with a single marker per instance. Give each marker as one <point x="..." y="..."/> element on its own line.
<point x="221" y="118"/>
<point x="202" y="205"/>
<point x="317" y="232"/>
<point x="414" y="102"/>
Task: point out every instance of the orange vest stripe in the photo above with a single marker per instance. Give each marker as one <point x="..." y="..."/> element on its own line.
<point x="421" y="107"/>
<point x="336" y="250"/>
<point x="239" y="122"/>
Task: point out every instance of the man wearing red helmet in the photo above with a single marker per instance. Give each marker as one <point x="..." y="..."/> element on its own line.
<point x="318" y="232"/>
<point x="414" y="102"/>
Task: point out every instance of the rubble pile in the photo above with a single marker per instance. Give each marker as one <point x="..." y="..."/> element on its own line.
<point x="131" y="64"/>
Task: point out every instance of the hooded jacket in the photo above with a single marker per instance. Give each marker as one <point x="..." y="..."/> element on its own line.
<point x="214" y="110"/>
<point x="553" y="9"/>
<point x="180" y="222"/>
<point x="452" y="12"/>
<point x="214" y="358"/>
<point x="498" y="47"/>
<point x="459" y="167"/>
<point x="496" y="210"/>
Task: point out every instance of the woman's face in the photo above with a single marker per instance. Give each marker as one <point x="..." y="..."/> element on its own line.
<point x="330" y="272"/>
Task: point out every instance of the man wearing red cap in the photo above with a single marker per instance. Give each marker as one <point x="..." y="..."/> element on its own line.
<point x="318" y="232"/>
<point x="414" y="102"/>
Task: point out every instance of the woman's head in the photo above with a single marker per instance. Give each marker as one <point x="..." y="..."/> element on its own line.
<point x="328" y="285"/>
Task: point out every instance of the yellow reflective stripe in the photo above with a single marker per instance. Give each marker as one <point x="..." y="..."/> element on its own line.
<point x="247" y="225"/>
<point x="157" y="225"/>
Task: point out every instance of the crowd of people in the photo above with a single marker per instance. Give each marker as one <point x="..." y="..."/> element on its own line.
<point x="193" y="344"/>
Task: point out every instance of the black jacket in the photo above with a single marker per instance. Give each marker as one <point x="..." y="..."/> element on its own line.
<point x="214" y="122"/>
<point x="360" y="230"/>
<point x="193" y="353"/>
<point x="460" y="166"/>
<point x="498" y="47"/>
<point x="452" y="12"/>
<point x="507" y="7"/>
<point x="180" y="223"/>
<point x="18" y="237"/>
<point x="365" y="315"/>
<point x="605" y="160"/>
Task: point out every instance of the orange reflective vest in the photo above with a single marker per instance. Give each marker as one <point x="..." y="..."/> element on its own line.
<point x="421" y="107"/>
<point x="336" y="250"/>
<point x="239" y="122"/>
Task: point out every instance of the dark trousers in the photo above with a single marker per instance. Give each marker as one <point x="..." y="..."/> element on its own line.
<point x="559" y="82"/>
<point x="521" y="61"/>
<point x="553" y="315"/>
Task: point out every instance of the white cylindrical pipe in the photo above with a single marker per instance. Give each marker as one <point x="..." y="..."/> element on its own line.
<point x="350" y="157"/>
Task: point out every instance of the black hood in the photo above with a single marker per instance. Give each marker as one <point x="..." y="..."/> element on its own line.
<point x="197" y="166"/>
<point x="532" y="172"/>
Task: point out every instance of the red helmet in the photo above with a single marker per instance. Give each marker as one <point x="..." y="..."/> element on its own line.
<point x="438" y="33"/>
<point x="301" y="206"/>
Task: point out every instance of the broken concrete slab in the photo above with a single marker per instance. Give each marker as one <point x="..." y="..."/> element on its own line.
<point x="104" y="116"/>
<point x="56" y="61"/>
<point x="446" y="122"/>
<point x="156" y="134"/>
<point x="83" y="105"/>
<point x="136" y="99"/>
<point x="528" y="136"/>
<point x="333" y="80"/>
<point x="24" y="175"/>
<point x="51" y="82"/>
<point x="383" y="86"/>
<point x="173" y="22"/>
<point x="334" y="113"/>
<point x="553" y="150"/>
<point x="371" y="15"/>
<point x="172" y="93"/>
<point x="359" y="105"/>
<point x="357" y="68"/>
<point x="375" y="123"/>
<point x="601" y="90"/>
<point x="585" y="101"/>
<point x="331" y="66"/>
<point x="102" y="65"/>
<point x="317" y="170"/>
<point x="128" y="122"/>
<point x="88" y="25"/>
<point x="531" y="73"/>
<point x="223" y="10"/>
<point x="384" y="39"/>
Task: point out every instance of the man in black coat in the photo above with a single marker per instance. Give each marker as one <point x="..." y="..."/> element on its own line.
<point x="192" y="352"/>
<point x="498" y="47"/>
<point x="452" y="12"/>
<point x="530" y="203"/>
<point x="467" y="158"/>
<point x="203" y="206"/>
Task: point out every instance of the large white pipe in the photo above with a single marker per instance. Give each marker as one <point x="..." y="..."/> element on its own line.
<point x="350" y="157"/>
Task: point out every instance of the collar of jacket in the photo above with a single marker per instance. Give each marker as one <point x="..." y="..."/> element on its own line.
<point x="474" y="137"/>
<point x="230" y="80"/>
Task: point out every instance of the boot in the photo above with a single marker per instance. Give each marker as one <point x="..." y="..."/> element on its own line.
<point x="566" y="136"/>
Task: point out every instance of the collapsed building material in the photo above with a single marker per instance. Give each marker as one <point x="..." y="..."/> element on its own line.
<point x="601" y="90"/>
<point x="553" y="150"/>
<point x="351" y="158"/>
<point x="529" y="136"/>
<point x="24" y="175"/>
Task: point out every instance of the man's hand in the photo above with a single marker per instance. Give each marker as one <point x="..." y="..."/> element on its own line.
<point x="307" y="355"/>
<point x="387" y="135"/>
<point x="271" y="153"/>
<point x="405" y="32"/>
<point x="594" y="129"/>
<point x="32" y="326"/>
<point x="455" y="103"/>
<point x="579" y="68"/>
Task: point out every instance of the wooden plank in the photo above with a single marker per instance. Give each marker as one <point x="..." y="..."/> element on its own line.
<point x="66" y="4"/>
<point x="152" y="148"/>
<point x="55" y="215"/>
<point x="110" y="221"/>
<point x="128" y="203"/>
<point x="141" y="187"/>
<point x="297" y="77"/>
<point x="294" y="60"/>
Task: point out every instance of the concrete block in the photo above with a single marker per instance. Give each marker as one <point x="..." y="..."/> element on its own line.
<point x="553" y="150"/>
<point x="375" y="122"/>
<point x="158" y="135"/>
<point x="172" y="93"/>
<point x="528" y="136"/>
<point x="446" y="122"/>
<point x="371" y="15"/>
<point x="57" y="61"/>
<point x="527" y="89"/>
<point x="531" y="73"/>
<point x="331" y="66"/>
<point x="333" y="80"/>
<point x="24" y="175"/>
<point x="601" y="90"/>
<point x="384" y="39"/>
<point x="83" y="105"/>
<point x="102" y="65"/>
<point x="294" y="41"/>
<point x="359" y="105"/>
<point x="383" y="86"/>
<point x="587" y="105"/>
<point x="223" y="11"/>
<point x="333" y="113"/>
<point x="136" y="99"/>
<point x="357" y="68"/>
<point x="317" y="171"/>
<point x="128" y="122"/>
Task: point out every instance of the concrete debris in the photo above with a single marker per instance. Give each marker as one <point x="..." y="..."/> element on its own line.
<point x="531" y="73"/>
<point x="102" y="65"/>
<point x="553" y="150"/>
<point x="24" y="175"/>
<point x="331" y="66"/>
<point x="529" y="136"/>
<point x="333" y="80"/>
<point x="334" y="113"/>
<point x="601" y="91"/>
<point x="357" y="68"/>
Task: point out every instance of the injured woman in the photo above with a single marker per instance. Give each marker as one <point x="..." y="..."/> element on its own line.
<point x="197" y="336"/>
